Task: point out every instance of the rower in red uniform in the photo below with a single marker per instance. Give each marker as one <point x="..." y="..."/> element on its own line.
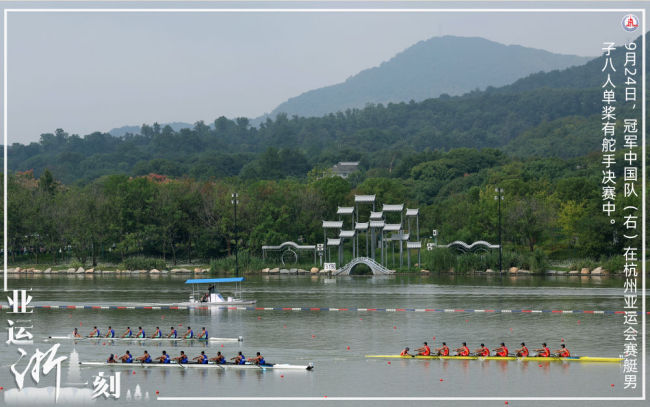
<point x="544" y="352"/>
<point x="444" y="351"/>
<point x="482" y="351"/>
<point x="523" y="351"/>
<point x="405" y="352"/>
<point x="501" y="350"/>
<point x="463" y="350"/>
<point x="424" y="351"/>
<point x="563" y="352"/>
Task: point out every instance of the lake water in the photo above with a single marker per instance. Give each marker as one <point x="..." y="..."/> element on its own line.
<point x="337" y="342"/>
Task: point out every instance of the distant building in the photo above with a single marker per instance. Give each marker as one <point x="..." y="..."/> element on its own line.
<point x="344" y="168"/>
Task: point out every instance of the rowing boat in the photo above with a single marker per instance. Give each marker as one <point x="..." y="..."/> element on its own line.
<point x="586" y="359"/>
<point x="210" y="365"/>
<point x="86" y="338"/>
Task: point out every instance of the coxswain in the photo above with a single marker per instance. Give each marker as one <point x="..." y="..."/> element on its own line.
<point x="202" y="358"/>
<point x="204" y="334"/>
<point x="482" y="351"/>
<point x="501" y="350"/>
<point x="110" y="333"/>
<point x="172" y="333"/>
<point x="424" y="350"/>
<point x="405" y="352"/>
<point x="523" y="351"/>
<point x="128" y="333"/>
<point x="463" y="350"/>
<point x="444" y="351"/>
<point x="240" y="359"/>
<point x="126" y="358"/>
<point x="75" y="333"/>
<point x="146" y="358"/>
<point x="258" y="360"/>
<point x="189" y="334"/>
<point x="219" y="359"/>
<point x="563" y="352"/>
<point x="111" y="359"/>
<point x="141" y="333"/>
<point x="94" y="333"/>
<point x="544" y="352"/>
<point x="182" y="358"/>
<point x="157" y="334"/>
<point x="164" y="358"/>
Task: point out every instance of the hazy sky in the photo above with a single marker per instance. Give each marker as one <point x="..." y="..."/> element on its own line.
<point x="85" y="72"/>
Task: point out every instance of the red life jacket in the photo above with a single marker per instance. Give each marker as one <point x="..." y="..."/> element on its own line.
<point x="427" y="350"/>
<point x="545" y="353"/>
<point x="464" y="351"/>
<point x="503" y="352"/>
<point x="444" y="351"/>
<point x="484" y="352"/>
<point x="524" y="351"/>
<point x="564" y="353"/>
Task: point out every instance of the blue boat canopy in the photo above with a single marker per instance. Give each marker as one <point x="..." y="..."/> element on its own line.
<point x="215" y="280"/>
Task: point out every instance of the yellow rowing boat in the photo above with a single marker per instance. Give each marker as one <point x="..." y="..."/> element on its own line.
<point x="586" y="359"/>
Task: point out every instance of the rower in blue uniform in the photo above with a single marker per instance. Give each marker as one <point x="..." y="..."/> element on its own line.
<point x="202" y="358"/>
<point x="219" y="359"/>
<point x="126" y="358"/>
<point x="111" y="359"/>
<point x="164" y="358"/>
<point x="110" y="333"/>
<point x="128" y="333"/>
<point x="157" y="334"/>
<point x="240" y="359"/>
<point x="172" y="333"/>
<point x="146" y="358"/>
<point x="94" y="333"/>
<point x="182" y="358"/>
<point x="258" y="360"/>
<point x="141" y="333"/>
<point x="189" y="334"/>
<point x="204" y="334"/>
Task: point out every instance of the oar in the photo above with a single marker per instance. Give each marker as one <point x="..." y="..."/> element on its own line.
<point x="178" y="362"/>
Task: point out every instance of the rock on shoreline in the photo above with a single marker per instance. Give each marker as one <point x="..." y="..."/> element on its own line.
<point x="81" y="270"/>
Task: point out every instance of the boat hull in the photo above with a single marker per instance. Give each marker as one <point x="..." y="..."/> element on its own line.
<point x="211" y="340"/>
<point x="214" y="304"/>
<point x="227" y="366"/>
<point x="584" y="359"/>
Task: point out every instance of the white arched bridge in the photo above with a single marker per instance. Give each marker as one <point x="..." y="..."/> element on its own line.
<point x="374" y="266"/>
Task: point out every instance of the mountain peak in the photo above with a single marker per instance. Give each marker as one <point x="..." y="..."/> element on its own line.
<point x="439" y="65"/>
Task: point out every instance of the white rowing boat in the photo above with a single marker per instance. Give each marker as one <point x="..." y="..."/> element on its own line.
<point x="86" y="338"/>
<point x="210" y="365"/>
